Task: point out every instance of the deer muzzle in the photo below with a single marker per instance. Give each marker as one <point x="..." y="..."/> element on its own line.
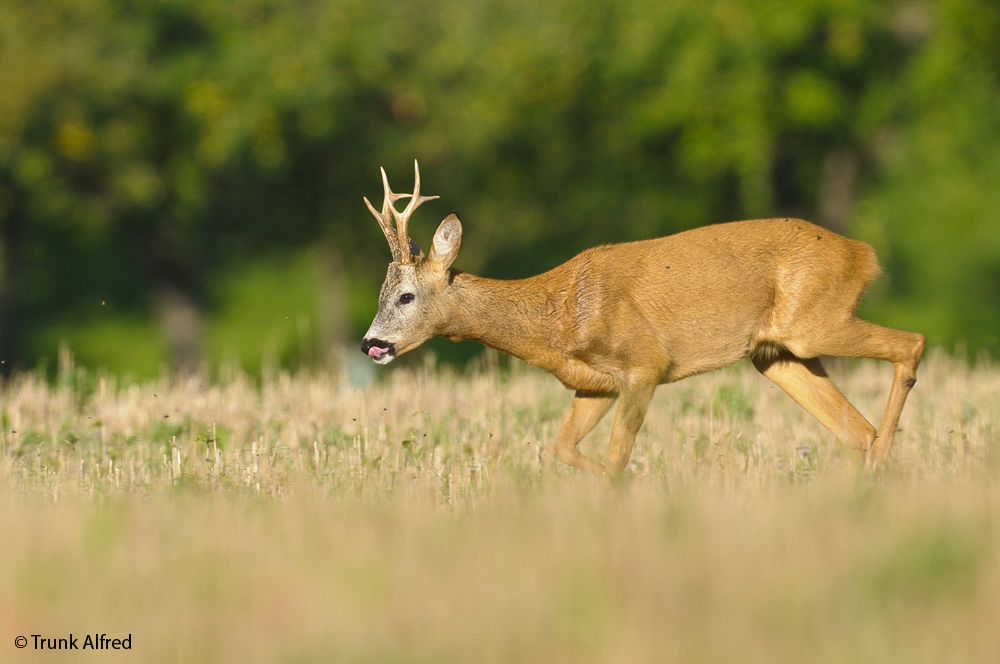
<point x="380" y="351"/>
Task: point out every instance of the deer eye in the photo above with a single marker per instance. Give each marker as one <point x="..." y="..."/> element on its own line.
<point x="406" y="298"/>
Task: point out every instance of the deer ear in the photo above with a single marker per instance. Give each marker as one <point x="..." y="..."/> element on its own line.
<point x="447" y="241"/>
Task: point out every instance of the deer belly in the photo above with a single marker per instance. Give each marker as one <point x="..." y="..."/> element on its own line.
<point x="710" y="352"/>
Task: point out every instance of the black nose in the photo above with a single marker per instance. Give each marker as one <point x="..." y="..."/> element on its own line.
<point x="368" y="344"/>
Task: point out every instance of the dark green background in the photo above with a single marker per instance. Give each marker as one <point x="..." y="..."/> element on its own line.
<point x="181" y="180"/>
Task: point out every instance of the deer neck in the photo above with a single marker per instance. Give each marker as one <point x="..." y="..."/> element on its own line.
<point x="520" y="317"/>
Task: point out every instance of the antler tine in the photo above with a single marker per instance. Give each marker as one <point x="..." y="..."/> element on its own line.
<point x="385" y="222"/>
<point x="403" y="218"/>
<point x="388" y="192"/>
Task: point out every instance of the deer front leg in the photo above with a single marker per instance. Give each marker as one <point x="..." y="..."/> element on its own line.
<point x="628" y="418"/>
<point x="585" y="412"/>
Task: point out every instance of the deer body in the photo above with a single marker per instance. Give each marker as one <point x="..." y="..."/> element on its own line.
<point x="675" y="306"/>
<point x="618" y="320"/>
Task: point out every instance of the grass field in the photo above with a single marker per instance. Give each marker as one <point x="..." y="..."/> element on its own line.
<point x="299" y="519"/>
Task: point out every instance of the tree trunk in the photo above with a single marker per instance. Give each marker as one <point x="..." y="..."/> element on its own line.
<point x="11" y="253"/>
<point x="333" y="326"/>
<point x="838" y="188"/>
<point x="181" y="321"/>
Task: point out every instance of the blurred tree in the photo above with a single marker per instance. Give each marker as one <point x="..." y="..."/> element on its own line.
<point x="161" y="129"/>
<point x="151" y="150"/>
<point x="931" y="210"/>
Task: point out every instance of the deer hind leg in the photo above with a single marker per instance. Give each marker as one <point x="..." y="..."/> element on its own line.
<point x="628" y="418"/>
<point x="585" y="412"/>
<point x="809" y="385"/>
<point x="858" y="338"/>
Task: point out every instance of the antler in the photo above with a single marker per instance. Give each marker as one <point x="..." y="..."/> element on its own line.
<point x="398" y="237"/>
<point x="384" y="221"/>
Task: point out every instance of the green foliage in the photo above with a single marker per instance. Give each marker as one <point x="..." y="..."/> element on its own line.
<point x="181" y="146"/>
<point x="266" y="313"/>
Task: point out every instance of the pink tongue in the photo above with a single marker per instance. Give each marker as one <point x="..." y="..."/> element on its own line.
<point x="376" y="352"/>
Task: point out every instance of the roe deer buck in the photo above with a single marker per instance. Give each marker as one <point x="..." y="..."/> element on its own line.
<point x="618" y="320"/>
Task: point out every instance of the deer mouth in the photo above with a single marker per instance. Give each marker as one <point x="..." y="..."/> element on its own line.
<point x="382" y="352"/>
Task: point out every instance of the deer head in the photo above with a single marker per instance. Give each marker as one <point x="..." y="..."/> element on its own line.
<point x="411" y="306"/>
